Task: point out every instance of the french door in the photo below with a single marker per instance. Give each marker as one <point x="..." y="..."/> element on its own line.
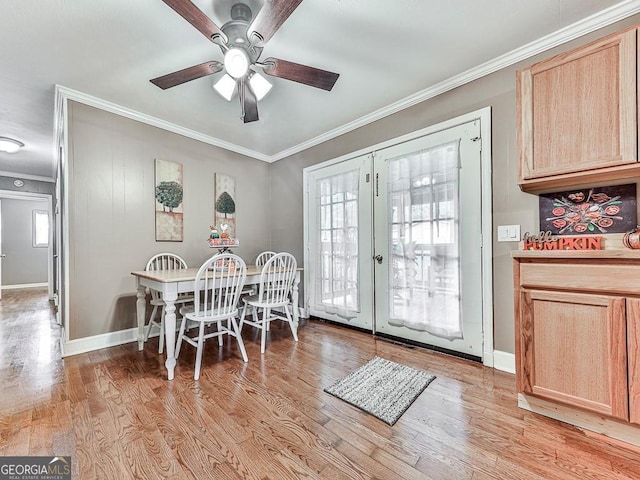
<point x="394" y="240"/>
<point x="428" y="268"/>
<point x="340" y="287"/>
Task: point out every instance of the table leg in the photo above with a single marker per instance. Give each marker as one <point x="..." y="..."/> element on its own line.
<point x="141" y="306"/>
<point x="169" y="298"/>
<point x="294" y="301"/>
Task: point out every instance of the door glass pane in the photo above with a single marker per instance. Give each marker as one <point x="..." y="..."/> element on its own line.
<point x="424" y="274"/>
<point x="337" y="268"/>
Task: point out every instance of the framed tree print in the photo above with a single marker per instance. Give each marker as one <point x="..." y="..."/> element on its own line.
<point x="169" y="194"/>
<point x="225" y="204"/>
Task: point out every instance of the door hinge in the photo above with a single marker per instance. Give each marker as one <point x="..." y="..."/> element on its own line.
<point x="367" y="177"/>
<point x="377" y="184"/>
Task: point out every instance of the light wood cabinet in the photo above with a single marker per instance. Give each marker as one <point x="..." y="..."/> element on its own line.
<point x="578" y="116"/>
<point x="633" y="347"/>
<point x="577" y="325"/>
<point x="574" y="350"/>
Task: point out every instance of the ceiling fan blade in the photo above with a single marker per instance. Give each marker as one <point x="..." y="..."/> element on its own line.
<point x="304" y="74"/>
<point x="192" y="14"/>
<point x="187" y="74"/>
<point x="249" y="103"/>
<point x="270" y="18"/>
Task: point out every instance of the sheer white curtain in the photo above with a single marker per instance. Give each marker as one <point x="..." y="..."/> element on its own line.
<point x="336" y="266"/>
<point x="423" y="233"/>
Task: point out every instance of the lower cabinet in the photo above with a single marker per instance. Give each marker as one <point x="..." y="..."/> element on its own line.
<point x="633" y="347"/>
<point x="574" y="350"/>
<point x="577" y="325"/>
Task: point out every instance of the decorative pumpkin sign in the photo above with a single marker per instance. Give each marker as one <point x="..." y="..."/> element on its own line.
<point x="546" y="241"/>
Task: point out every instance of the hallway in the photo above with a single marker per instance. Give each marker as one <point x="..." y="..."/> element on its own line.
<point x="30" y="364"/>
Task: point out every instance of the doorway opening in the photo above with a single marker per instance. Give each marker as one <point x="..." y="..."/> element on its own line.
<point x="26" y="241"/>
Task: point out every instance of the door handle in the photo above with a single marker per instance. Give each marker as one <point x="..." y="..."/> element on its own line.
<point x="378" y="258"/>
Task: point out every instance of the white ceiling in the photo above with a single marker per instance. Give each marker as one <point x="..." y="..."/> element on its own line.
<point x="387" y="53"/>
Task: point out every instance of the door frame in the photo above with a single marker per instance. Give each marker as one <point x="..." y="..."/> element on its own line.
<point x="15" y="195"/>
<point x="484" y="116"/>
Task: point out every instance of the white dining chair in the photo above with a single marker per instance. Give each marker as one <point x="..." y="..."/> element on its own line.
<point x="276" y="281"/>
<point x="262" y="257"/>
<point x="163" y="261"/>
<point x="219" y="283"/>
<point x="260" y="261"/>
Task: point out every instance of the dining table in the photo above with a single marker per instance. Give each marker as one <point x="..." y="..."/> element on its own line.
<point x="171" y="283"/>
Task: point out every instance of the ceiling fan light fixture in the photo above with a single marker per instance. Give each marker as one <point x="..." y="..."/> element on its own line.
<point x="236" y="62"/>
<point x="259" y="85"/>
<point x="226" y="87"/>
<point x="9" y="145"/>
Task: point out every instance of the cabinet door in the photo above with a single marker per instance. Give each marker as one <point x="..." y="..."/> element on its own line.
<point x="633" y="351"/>
<point x="577" y="111"/>
<point x="573" y="350"/>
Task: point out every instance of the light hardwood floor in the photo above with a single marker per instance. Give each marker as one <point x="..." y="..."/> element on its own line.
<point x="116" y="415"/>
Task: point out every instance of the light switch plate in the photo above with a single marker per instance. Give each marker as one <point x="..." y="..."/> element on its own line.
<point x="509" y="233"/>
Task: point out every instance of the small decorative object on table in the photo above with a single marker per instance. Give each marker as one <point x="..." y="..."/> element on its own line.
<point x="222" y="242"/>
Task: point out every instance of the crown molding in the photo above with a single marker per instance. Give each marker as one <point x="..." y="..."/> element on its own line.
<point x="90" y="100"/>
<point x="582" y="27"/>
<point x="589" y="24"/>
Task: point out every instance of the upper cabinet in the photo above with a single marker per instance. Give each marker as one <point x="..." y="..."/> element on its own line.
<point x="578" y="116"/>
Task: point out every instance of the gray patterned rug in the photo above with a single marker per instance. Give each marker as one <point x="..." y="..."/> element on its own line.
<point x="382" y="388"/>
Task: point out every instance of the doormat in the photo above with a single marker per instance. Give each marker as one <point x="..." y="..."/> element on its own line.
<point x="382" y="388"/>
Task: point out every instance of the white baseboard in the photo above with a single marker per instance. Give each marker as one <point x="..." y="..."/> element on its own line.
<point x="504" y="361"/>
<point x="24" y="285"/>
<point x="89" y="344"/>
<point x="106" y="340"/>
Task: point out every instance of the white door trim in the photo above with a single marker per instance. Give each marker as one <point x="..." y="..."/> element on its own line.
<point x="15" y="195"/>
<point x="484" y="115"/>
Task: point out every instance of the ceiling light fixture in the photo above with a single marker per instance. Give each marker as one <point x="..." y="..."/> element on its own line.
<point x="226" y="87"/>
<point x="236" y="62"/>
<point x="259" y="85"/>
<point x="9" y="145"/>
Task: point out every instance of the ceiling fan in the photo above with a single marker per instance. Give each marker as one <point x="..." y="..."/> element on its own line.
<point x="242" y="40"/>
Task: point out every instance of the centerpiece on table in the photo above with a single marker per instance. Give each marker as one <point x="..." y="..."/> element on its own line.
<point x="222" y="241"/>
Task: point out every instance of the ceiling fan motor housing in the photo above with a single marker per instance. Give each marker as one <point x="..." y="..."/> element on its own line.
<point x="240" y="11"/>
<point x="236" y="31"/>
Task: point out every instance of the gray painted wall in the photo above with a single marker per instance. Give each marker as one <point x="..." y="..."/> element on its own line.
<point x="23" y="264"/>
<point x="112" y="205"/>
<point x="510" y="205"/>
